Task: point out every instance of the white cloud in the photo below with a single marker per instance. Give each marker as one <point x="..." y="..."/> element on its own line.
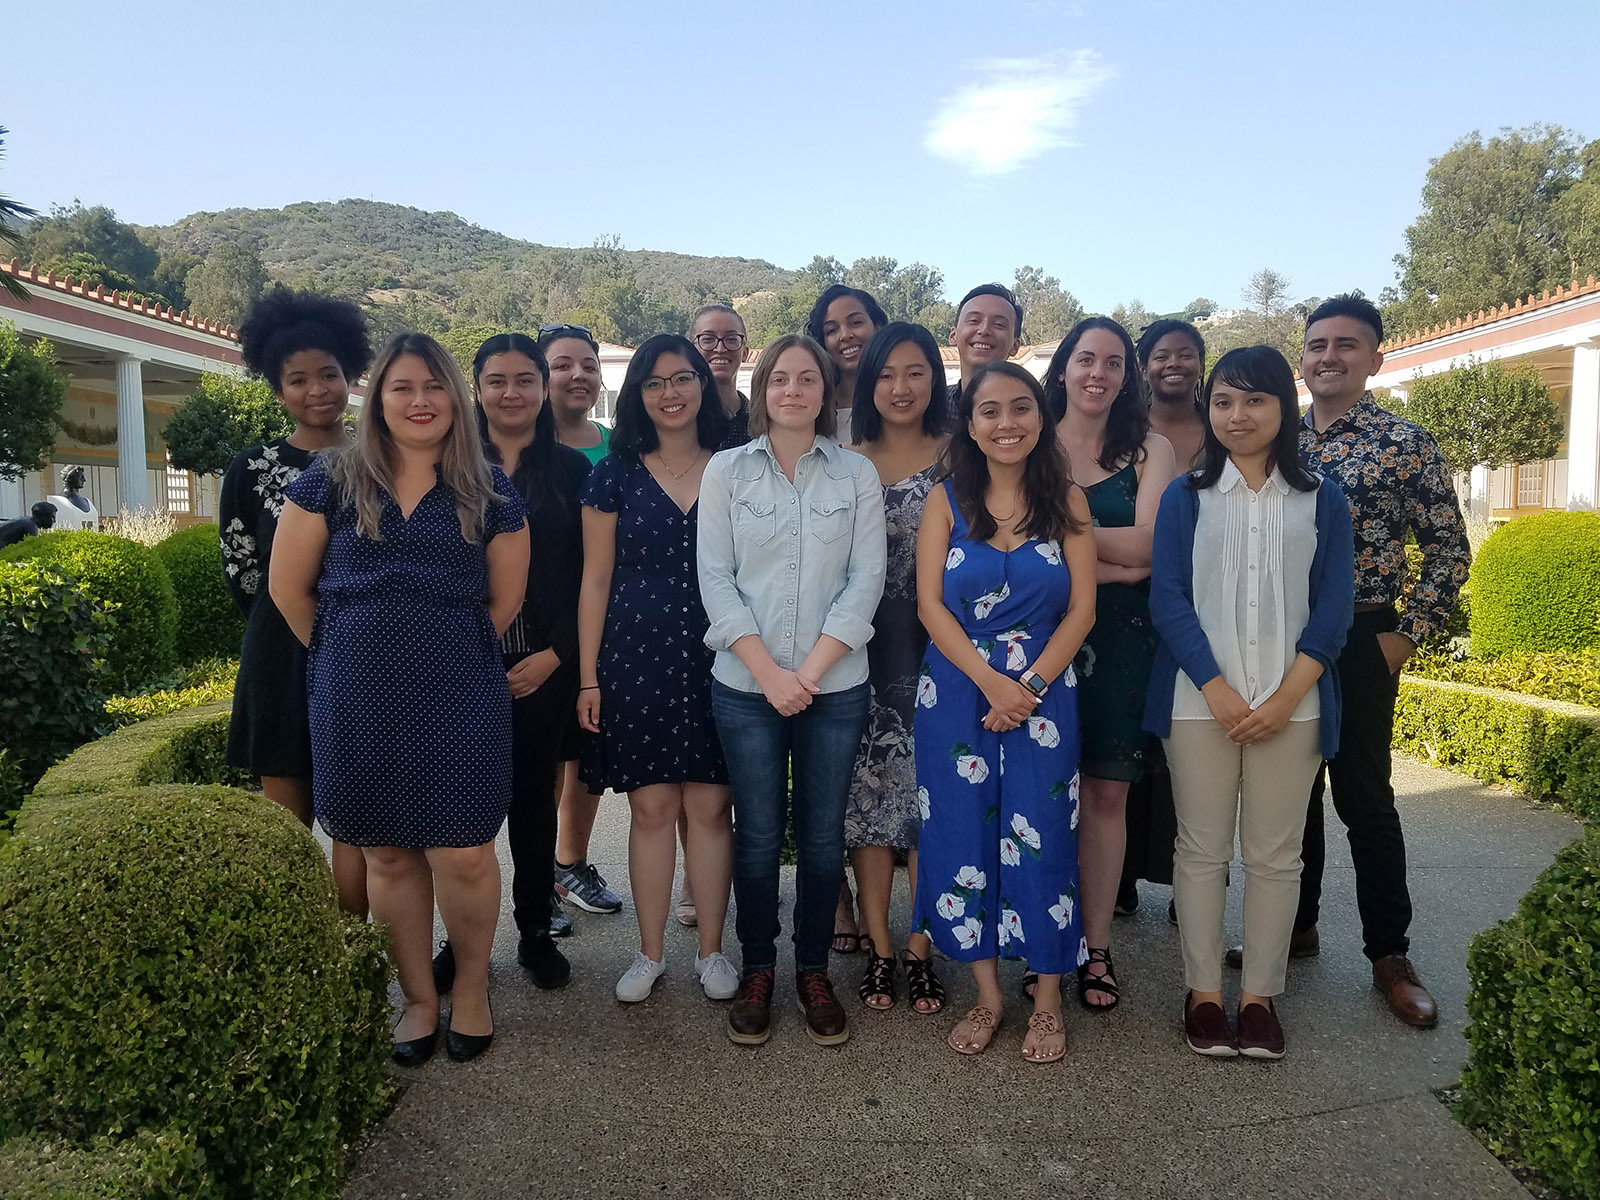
<point x="1021" y="108"/>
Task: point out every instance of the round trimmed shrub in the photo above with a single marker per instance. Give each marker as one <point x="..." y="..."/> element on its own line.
<point x="144" y="624"/>
<point x="149" y="1165"/>
<point x="1533" y="1076"/>
<point x="1536" y="585"/>
<point x="209" y="622"/>
<point x="173" y="957"/>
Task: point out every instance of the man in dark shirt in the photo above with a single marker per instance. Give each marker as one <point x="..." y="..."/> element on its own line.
<point x="718" y="333"/>
<point x="43" y="516"/>
<point x="1396" y="480"/>
<point x="988" y="329"/>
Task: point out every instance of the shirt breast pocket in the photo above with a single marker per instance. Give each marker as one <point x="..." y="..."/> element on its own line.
<point x="830" y="519"/>
<point x="754" y="522"/>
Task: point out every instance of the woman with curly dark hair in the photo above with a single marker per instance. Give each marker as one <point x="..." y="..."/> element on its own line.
<point x="1092" y="386"/>
<point x="309" y="349"/>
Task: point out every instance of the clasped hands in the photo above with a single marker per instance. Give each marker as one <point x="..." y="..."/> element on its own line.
<point x="1246" y="726"/>
<point x="1011" y="702"/>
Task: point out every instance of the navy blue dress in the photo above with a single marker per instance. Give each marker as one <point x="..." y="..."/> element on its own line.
<point x="410" y="712"/>
<point x="654" y="667"/>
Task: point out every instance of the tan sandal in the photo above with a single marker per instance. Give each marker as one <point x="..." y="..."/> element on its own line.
<point x="1047" y="1039"/>
<point x="975" y="1031"/>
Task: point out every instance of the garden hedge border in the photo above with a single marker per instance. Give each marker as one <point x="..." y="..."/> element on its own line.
<point x="1545" y="749"/>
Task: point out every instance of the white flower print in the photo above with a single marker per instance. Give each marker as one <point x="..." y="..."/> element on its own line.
<point x="1016" y="657"/>
<point x="971" y="877"/>
<point x="968" y="932"/>
<point x="1025" y="833"/>
<point x="955" y="558"/>
<point x="972" y="768"/>
<point x="1010" y="856"/>
<point x="1002" y="935"/>
<point x="927" y="692"/>
<point x="950" y="906"/>
<point x="1072" y="791"/>
<point x="985" y="604"/>
<point x="1062" y="911"/>
<point x="1070" y="678"/>
<point x="1049" y="551"/>
<point x="1043" y="730"/>
<point x="250" y="582"/>
<point x="1011" y="924"/>
<point x="1083" y="950"/>
<point x="923" y="802"/>
<point x="1074" y="822"/>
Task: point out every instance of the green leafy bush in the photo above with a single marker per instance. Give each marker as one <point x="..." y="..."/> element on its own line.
<point x="1532" y="1080"/>
<point x="1573" y="676"/>
<point x="1536" y="585"/>
<point x="187" y="746"/>
<point x="144" y="624"/>
<point x="1539" y="747"/>
<point x="209" y="622"/>
<point x="174" y="957"/>
<point x="204" y="682"/>
<point x="52" y="637"/>
<point x="165" y="1165"/>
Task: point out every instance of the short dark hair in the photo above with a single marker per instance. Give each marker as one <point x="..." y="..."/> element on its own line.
<point x="819" y="310"/>
<point x="634" y="433"/>
<point x="1350" y="304"/>
<point x="760" y="420"/>
<point x="43" y="514"/>
<point x="994" y="289"/>
<point x="1257" y="369"/>
<point x="285" y="322"/>
<point x="866" y="422"/>
<point x="1128" y="421"/>
<point x="1157" y="330"/>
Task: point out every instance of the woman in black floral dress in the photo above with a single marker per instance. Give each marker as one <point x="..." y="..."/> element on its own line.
<point x="308" y="348"/>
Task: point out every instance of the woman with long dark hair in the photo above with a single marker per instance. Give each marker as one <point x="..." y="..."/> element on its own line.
<point x="1092" y="387"/>
<point x="1252" y="592"/>
<point x="842" y="322"/>
<point x="1003" y="546"/>
<point x="645" y="680"/>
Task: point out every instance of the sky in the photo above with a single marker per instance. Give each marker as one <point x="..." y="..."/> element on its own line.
<point x="1149" y="150"/>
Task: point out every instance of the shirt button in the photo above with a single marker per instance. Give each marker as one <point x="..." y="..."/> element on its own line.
<point x="1252" y="641"/>
<point x="791" y="604"/>
<point x="1252" y="529"/>
<point x="791" y="567"/>
<point x="1252" y="604"/>
<point x="1252" y="566"/>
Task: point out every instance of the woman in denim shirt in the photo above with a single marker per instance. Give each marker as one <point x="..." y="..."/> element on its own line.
<point x="791" y="560"/>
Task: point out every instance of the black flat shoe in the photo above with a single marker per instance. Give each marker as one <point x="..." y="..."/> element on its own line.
<point x="418" y="1050"/>
<point x="462" y="1047"/>
<point x="444" y="969"/>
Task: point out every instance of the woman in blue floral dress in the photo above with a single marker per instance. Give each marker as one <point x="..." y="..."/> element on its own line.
<point x="1001" y="545"/>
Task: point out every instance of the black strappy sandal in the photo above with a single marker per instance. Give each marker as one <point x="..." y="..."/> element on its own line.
<point x="1030" y="984"/>
<point x="922" y="983"/>
<point x="1105" y="984"/>
<point x="877" y="981"/>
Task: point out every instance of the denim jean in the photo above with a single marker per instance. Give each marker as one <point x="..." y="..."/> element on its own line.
<point x="758" y="744"/>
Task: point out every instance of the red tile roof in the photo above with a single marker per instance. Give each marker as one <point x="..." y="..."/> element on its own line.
<point x="1488" y="316"/>
<point x="161" y="312"/>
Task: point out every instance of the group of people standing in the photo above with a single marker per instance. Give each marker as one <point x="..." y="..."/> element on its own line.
<point x="891" y="613"/>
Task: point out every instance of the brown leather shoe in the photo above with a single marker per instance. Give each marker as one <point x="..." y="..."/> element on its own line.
<point x="1205" y="1028"/>
<point x="825" y="1019"/>
<point x="1303" y="943"/>
<point x="1260" y="1031"/>
<point x="1396" y="978"/>
<point x="750" y="1015"/>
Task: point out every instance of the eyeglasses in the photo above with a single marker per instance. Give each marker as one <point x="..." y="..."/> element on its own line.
<point x="546" y="332"/>
<point x="656" y="386"/>
<point x="710" y="341"/>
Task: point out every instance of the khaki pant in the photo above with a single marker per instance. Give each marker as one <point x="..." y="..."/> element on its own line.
<point x="1262" y="789"/>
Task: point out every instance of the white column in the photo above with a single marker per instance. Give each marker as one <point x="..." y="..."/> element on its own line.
<point x="1583" y="430"/>
<point x="133" y="483"/>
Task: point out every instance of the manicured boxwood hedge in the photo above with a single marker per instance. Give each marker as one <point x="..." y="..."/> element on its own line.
<point x="209" y="622"/>
<point x="1536" y="585"/>
<point x="148" y="1165"/>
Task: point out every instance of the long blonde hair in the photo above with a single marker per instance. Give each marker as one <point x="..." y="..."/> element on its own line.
<point x="364" y="470"/>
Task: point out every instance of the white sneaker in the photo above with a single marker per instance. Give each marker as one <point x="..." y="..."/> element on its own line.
<point x="717" y="976"/>
<point x="639" y="978"/>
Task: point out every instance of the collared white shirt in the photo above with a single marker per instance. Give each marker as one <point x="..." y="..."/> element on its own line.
<point x="790" y="562"/>
<point x="1252" y="587"/>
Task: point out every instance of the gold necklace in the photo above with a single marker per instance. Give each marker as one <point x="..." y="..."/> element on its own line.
<point x="677" y="476"/>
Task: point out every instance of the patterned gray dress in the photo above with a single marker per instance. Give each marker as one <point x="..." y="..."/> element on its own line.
<point x="882" y="808"/>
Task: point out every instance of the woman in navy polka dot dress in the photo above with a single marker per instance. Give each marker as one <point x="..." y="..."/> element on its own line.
<point x="644" y="667"/>
<point x="399" y="562"/>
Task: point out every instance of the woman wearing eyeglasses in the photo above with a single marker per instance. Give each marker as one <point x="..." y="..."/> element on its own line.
<point x="644" y="667"/>
<point x="717" y="331"/>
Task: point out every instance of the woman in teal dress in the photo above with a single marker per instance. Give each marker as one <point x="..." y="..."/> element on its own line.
<point x="1092" y="387"/>
<point x="1001" y="545"/>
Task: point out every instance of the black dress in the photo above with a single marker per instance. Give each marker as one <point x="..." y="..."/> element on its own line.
<point x="269" y="733"/>
<point x="655" y="667"/>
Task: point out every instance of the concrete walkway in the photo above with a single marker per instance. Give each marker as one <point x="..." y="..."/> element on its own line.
<point x="581" y="1096"/>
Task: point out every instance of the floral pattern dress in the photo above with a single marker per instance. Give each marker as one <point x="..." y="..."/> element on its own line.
<point x="882" y="808"/>
<point x="997" y="865"/>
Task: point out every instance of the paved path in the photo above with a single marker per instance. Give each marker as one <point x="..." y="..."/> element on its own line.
<point x="584" y="1097"/>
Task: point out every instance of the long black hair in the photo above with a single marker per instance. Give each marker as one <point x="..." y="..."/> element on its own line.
<point x="1257" y="369"/>
<point x="1046" y="476"/>
<point x="531" y="473"/>
<point x="866" y="422"/>
<point x="1128" y="421"/>
<point x="634" y="432"/>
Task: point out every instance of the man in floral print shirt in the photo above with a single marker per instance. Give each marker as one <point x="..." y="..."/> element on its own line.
<point x="1395" y="479"/>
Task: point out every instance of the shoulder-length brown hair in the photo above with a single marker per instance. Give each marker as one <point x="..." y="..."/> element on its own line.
<point x="760" y="422"/>
<point x="364" y="470"/>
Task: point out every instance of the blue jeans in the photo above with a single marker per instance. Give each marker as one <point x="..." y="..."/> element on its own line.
<point x="758" y="743"/>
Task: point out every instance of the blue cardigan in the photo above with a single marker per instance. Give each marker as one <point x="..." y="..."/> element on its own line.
<point x="1183" y="642"/>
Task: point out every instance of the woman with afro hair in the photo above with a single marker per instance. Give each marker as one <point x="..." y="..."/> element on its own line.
<point x="309" y="349"/>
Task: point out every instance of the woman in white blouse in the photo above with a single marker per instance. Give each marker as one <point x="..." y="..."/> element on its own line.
<point x="791" y="561"/>
<point x="1252" y="591"/>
